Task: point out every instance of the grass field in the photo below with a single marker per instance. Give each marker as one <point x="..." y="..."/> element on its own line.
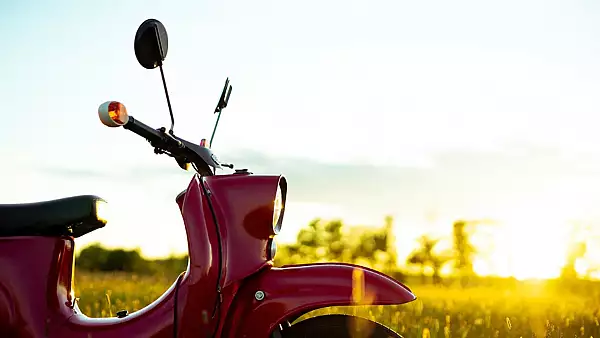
<point x="485" y="311"/>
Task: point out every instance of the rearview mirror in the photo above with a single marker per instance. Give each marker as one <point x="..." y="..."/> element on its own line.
<point x="224" y="97"/>
<point x="151" y="44"/>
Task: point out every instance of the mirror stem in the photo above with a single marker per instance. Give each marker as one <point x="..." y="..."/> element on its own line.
<point x="162" y="74"/>
<point x="214" y="129"/>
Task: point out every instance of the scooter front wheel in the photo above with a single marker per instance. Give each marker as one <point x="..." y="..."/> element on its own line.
<point x="338" y="326"/>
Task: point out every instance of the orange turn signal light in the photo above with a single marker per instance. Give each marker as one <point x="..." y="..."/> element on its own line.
<point x="113" y="114"/>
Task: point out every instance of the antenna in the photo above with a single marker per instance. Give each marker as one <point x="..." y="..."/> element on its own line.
<point x="220" y="106"/>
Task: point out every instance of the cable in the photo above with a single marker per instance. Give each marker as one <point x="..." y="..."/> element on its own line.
<point x="216" y="311"/>
<point x="177" y="283"/>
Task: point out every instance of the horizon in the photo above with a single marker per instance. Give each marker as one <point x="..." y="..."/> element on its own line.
<point x="428" y="113"/>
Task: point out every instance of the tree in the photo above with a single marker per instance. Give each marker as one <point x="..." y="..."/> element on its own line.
<point x="391" y="242"/>
<point x="325" y="241"/>
<point x="424" y="256"/>
<point x="97" y="258"/>
<point x="463" y="250"/>
<point x="333" y="239"/>
<point x="310" y="235"/>
<point x="576" y="251"/>
<point x="92" y="258"/>
<point x="125" y="260"/>
<point x="322" y="240"/>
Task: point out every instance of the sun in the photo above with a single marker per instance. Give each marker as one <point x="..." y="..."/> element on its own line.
<point x="526" y="245"/>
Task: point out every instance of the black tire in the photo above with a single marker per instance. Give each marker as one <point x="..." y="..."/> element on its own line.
<point x="338" y="326"/>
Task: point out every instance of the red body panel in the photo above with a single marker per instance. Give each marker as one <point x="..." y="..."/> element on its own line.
<point x="245" y="204"/>
<point x="228" y="222"/>
<point x="29" y="284"/>
<point x="196" y="295"/>
<point x="294" y="290"/>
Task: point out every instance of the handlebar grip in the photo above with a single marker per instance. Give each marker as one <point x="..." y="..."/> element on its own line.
<point x="150" y="134"/>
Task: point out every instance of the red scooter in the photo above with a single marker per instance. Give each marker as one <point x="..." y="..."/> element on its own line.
<point x="230" y="287"/>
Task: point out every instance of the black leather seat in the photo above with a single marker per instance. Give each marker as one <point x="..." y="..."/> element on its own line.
<point x="72" y="216"/>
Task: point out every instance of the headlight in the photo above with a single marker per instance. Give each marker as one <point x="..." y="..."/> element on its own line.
<point x="279" y="205"/>
<point x="102" y="211"/>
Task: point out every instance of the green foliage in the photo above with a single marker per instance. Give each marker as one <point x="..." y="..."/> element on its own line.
<point x="463" y="249"/>
<point x="97" y="258"/>
<point x="327" y="241"/>
<point x="424" y="256"/>
<point x="92" y="258"/>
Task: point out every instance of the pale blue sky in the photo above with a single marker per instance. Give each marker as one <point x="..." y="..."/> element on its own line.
<point x="466" y="107"/>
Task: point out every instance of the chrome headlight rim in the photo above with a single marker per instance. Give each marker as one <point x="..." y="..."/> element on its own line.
<point x="280" y="199"/>
<point x="271" y="248"/>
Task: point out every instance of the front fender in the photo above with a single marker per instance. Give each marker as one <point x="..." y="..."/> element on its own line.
<point x="291" y="291"/>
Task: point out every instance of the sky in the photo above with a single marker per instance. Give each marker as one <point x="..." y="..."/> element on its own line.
<point x="425" y="110"/>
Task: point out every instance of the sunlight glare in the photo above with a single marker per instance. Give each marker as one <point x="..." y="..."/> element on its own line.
<point x="528" y="246"/>
<point x="581" y="267"/>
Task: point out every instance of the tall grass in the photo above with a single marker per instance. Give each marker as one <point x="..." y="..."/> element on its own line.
<point x="533" y="309"/>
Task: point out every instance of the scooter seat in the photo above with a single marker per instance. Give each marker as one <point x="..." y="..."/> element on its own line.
<point x="72" y="216"/>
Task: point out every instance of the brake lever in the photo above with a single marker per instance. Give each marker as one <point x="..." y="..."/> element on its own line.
<point x="165" y="143"/>
<point x="183" y="151"/>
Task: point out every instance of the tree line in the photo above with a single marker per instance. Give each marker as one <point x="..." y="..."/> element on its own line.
<point x="98" y="258"/>
<point x="329" y="240"/>
<point x="319" y="241"/>
<point x="324" y="241"/>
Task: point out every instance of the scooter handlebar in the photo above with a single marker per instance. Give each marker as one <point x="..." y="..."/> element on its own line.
<point x="153" y="136"/>
<point x="177" y="147"/>
<point x="114" y="114"/>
